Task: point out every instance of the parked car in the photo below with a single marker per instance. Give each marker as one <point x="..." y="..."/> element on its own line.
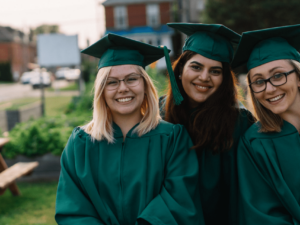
<point x="26" y="77"/>
<point x="36" y="81"/>
<point x="61" y="72"/>
<point x="72" y="74"/>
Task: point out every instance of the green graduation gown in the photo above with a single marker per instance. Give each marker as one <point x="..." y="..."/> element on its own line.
<point x="150" y="179"/>
<point x="218" y="181"/>
<point x="269" y="176"/>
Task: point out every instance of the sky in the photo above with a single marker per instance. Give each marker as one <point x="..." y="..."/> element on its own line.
<point x="83" y="17"/>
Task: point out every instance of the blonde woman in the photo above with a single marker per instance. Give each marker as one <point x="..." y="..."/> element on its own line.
<point x="127" y="166"/>
<point x="269" y="152"/>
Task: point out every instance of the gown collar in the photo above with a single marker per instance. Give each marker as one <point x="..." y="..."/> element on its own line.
<point x="118" y="132"/>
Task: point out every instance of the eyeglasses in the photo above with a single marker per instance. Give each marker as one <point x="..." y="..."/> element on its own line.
<point x="276" y="80"/>
<point x="130" y="81"/>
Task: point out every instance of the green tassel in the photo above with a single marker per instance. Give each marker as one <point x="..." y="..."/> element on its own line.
<point x="175" y="90"/>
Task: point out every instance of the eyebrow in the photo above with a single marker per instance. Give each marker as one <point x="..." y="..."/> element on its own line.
<point x="270" y="71"/>
<point x="214" y="67"/>
<point x="125" y="75"/>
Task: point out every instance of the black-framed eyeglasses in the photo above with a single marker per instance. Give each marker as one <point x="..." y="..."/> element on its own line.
<point x="130" y="80"/>
<point x="276" y="80"/>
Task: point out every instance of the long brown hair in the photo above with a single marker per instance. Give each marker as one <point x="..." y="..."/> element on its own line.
<point x="213" y="121"/>
<point x="270" y="122"/>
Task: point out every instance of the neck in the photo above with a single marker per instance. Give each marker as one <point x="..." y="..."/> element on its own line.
<point x="293" y="115"/>
<point x="126" y="122"/>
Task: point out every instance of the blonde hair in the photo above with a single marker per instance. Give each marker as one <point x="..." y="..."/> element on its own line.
<point x="100" y="127"/>
<point x="270" y="122"/>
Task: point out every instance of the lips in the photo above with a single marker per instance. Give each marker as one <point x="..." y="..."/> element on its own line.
<point x="276" y="98"/>
<point x="125" y="99"/>
<point x="201" y="87"/>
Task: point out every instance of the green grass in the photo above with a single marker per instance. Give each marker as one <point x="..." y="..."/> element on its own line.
<point x="55" y="106"/>
<point x="36" y="205"/>
<point x="71" y="87"/>
<point x="17" y="103"/>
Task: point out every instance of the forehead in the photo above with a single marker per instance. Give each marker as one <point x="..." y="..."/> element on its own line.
<point x="123" y="70"/>
<point x="265" y="68"/>
<point x="204" y="61"/>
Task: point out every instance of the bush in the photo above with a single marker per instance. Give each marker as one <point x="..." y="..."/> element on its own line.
<point x="37" y="137"/>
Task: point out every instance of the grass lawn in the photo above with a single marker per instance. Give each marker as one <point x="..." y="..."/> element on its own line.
<point x="35" y="206"/>
<point x="56" y="106"/>
<point x="16" y="103"/>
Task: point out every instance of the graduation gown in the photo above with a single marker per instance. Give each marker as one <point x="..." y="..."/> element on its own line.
<point x="218" y="181"/>
<point x="269" y="176"/>
<point x="150" y="179"/>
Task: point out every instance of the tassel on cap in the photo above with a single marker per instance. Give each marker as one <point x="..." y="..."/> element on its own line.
<point x="175" y="90"/>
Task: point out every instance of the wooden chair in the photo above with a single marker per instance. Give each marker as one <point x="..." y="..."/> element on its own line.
<point x="9" y="175"/>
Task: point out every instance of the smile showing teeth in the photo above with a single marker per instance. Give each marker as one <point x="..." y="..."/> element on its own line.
<point x="124" y="99"/>
<point x="202" y="87"/>
<point x="276" y="98"/>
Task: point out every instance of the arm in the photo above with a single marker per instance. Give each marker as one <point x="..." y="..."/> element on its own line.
<point x="178" y="201"/>
<point x="259" y="201"/>
<point x="73" y="206"/>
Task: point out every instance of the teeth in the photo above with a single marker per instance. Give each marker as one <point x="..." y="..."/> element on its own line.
<point x="276" y="98"/>
<point x="202" y="87"/>
<point x="124" y="99"/>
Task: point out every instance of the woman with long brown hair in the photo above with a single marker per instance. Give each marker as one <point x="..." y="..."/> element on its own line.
<point x="203" y="97"/>
<point x="269" y="152"/>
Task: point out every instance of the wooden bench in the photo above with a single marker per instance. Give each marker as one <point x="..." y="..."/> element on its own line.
<point x="9" y="175"/>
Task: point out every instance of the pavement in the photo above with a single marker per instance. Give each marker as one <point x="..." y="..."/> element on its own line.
<point x="17" y="90"/>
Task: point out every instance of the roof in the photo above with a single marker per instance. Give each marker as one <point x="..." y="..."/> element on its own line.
<point x="127" y="2"/>
<point x="8" y="34"/>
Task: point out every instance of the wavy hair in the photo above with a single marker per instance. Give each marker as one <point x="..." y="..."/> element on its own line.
<point x="270" y="122"/>
<point x="213" y="121"/>
<point x="101" y="128"/>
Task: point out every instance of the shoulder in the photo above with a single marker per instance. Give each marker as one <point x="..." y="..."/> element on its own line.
<point x="254" y="132"/>
<point x="166" y="128"/>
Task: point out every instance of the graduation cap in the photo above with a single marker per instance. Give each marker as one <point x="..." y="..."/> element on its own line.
<point x="116" y="50"/>
<point x="262" y="46"/>
<point x="213" y="41"/>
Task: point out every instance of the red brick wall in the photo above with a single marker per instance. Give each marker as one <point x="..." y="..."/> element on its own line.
<point x="109" y="16"/>
<point x="136" y="15"/>
<point x="4" y="52"/>
<point x="165" y="12"/>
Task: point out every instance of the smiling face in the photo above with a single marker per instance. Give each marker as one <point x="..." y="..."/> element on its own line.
<point x="125" y="100"/>
<point x="280" y="99"/>
<point x="201" y="77"/>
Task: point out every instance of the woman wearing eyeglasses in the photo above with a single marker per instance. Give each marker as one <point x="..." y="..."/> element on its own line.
<point x="127" y="167"/>
<point x="269" y="152"/>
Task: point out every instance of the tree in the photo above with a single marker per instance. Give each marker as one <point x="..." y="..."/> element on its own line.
<point x="247" y="15"/>
<point x="46" y="29"/>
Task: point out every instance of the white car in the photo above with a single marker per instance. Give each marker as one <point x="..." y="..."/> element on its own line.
<point x="26" y="77"/>
<point x="72" y="74"/>
<point x="36" y="81"/>
<point x="61" y="72"/>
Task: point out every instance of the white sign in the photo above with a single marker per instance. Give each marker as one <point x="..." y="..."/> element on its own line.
<point x="58" y="50"/>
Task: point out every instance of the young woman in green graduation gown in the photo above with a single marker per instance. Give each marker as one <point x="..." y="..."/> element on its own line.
<point x="203" y="97"/>
<point x="127" y="167"/>
<point x="269" y="152"/>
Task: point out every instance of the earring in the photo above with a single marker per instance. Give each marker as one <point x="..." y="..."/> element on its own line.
<point x="179" y="76"/>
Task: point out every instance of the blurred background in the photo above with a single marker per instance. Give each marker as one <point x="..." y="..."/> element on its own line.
<point x="46" y="84"/>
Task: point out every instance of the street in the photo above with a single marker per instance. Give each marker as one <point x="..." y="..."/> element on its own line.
<point x="13" y="91"/>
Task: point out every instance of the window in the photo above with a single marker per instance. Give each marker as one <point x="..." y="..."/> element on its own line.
<point x="153" y="16"/>
<point x="120" y="14"/>
<point x="200" y="5"/>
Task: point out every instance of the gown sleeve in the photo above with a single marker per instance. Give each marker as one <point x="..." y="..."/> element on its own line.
<point x="179" y="200"/>
<point x="72" y="204"/>
<point x="264" y="195"/>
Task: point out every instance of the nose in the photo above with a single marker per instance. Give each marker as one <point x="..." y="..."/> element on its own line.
<point x="270" y="88"/>
<point x="204" y="76"/>
<point x="122" y="87"/>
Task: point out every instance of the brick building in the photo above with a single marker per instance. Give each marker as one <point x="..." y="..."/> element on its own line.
<point x="16" y="48"/>
<point x="141" y="20"/>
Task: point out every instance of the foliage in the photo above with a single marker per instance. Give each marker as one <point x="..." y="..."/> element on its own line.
<point x="37" y="137"/>
<point x="5" y="72"/>
<point x="36" y="205"/>
<point x="88" y="69"/>
<point x="46" y="29"/>
<point x="159" y="79"/>
<point x="246" y="15"/>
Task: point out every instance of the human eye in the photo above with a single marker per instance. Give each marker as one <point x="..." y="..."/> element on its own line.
<point x="278" y="76"/>
<point x="259" y="82"/>
<point x="216" y="72"/>
<point x="111" y="82"/>
<point x="195" y="67"/>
